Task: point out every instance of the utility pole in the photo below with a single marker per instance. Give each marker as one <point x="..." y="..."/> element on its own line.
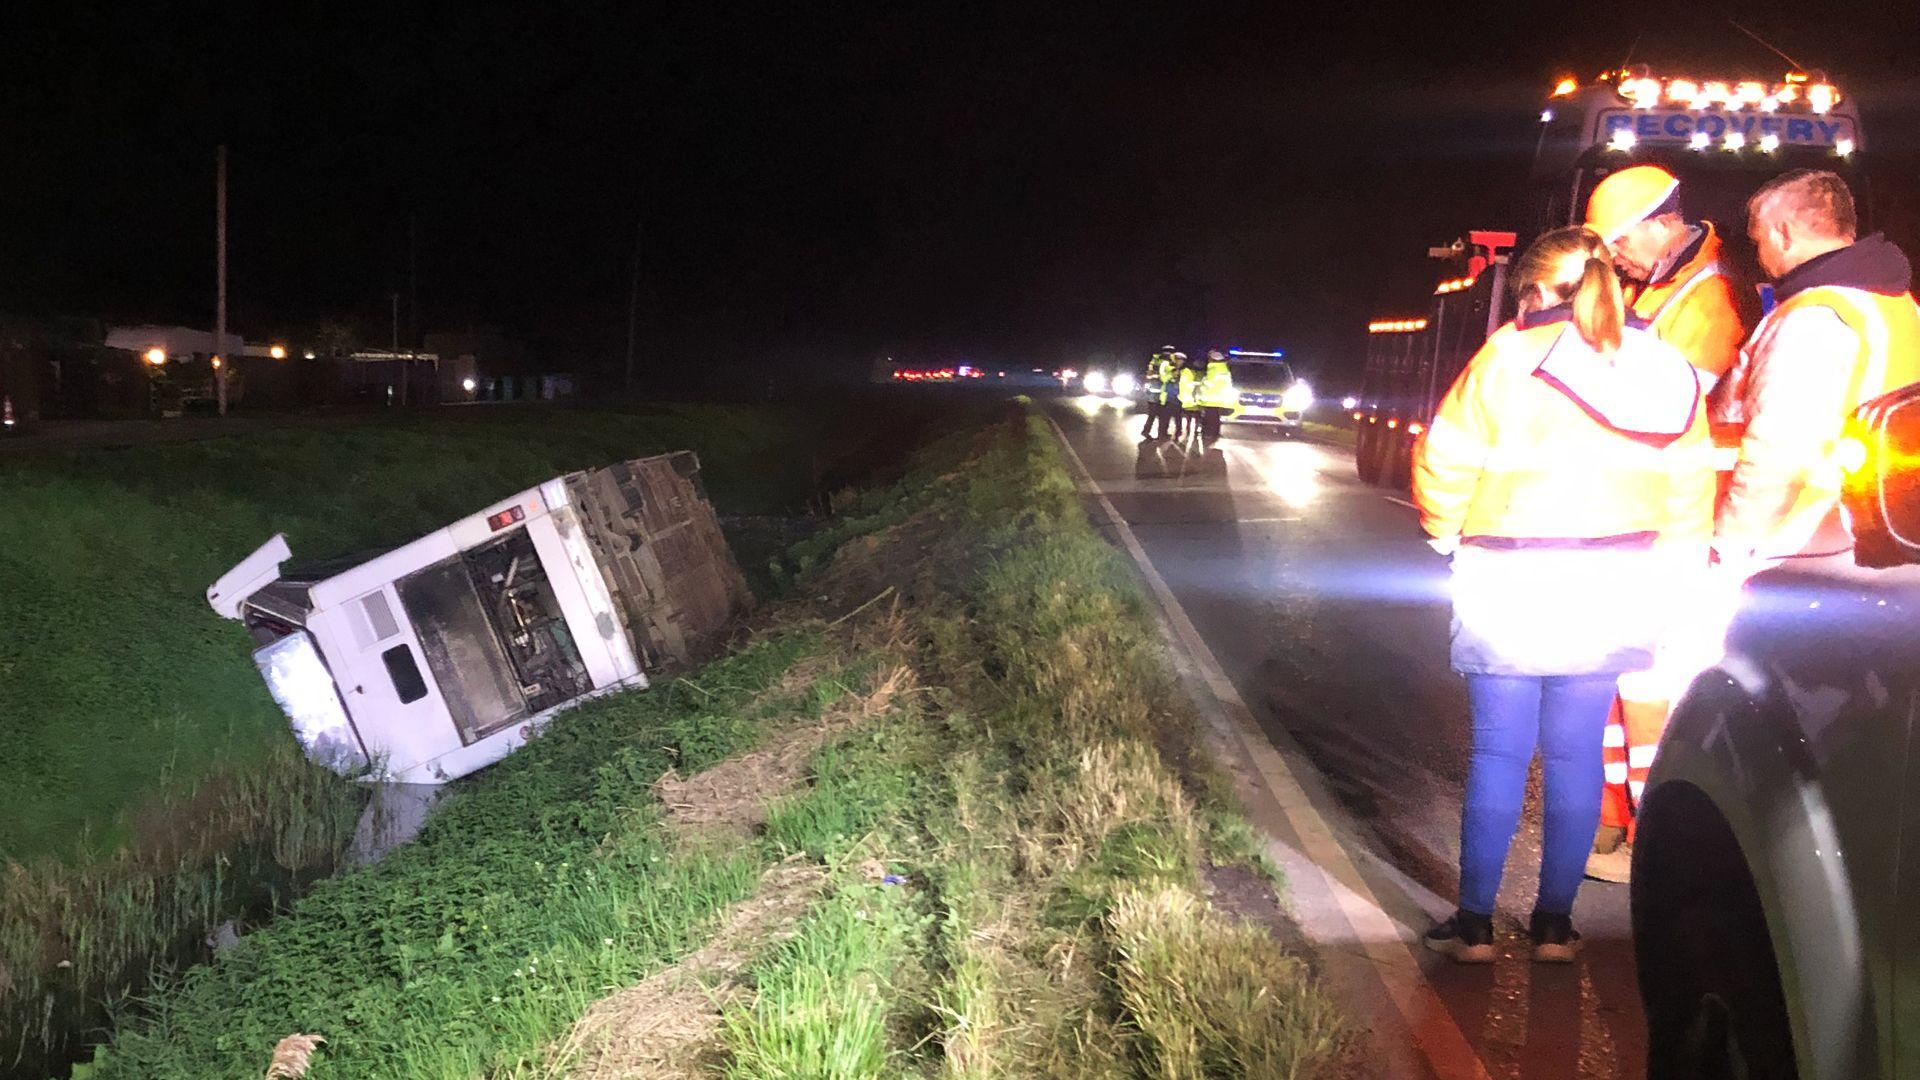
<point x="405" y="366"/>
<point x="220" y="290"/>
<point x="413" y="281"/>
<point x="633" y="303"/>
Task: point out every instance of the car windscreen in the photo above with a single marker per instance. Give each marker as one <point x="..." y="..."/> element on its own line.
<point x="1248" y="375"/>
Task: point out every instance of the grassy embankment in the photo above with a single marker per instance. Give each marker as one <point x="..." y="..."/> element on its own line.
<point x="149" y="783"/>
<point x="940" y="817"/>
<point x="114" y="675"/>
<point x="1337" y="434"/>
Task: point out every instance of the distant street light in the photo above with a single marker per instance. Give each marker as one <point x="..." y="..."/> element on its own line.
<point x="469" y="385"/>
<point x="309" y="354"/>
<point x="216" y="363"/>
<point x="155" y="356"/>
<point x="278" y="352"/>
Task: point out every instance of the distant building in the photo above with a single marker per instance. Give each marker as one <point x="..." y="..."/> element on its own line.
<point x="484" y="364"/>
<point x="175" y="342"/>
<point x="179" y="364"/>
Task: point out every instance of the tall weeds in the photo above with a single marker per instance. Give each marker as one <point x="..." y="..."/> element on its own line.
<point x="76" y="937"/>
<point x="541" y="882"/>
<point x="1055" y="818"/>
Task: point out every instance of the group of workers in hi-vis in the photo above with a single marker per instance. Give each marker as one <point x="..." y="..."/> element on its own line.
<point x="1608" y="472"/>
<point x="1186" y="400"/>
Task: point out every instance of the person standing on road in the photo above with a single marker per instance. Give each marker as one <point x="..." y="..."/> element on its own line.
<point x="1188" y="394"/>
<point x="1160" y="391"/>
<point x="1844" y="330"/>
<point x="1567" y="473"/>
<point x="1675" y="280"/>
<point x="1675" y="276"/>
<point x="1215" y="396"/>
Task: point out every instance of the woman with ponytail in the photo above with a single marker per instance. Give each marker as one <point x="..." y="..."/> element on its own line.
<point x="1568" y="474"/>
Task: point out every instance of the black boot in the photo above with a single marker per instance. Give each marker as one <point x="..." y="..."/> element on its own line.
<point x="1466" y="937"/>
<point x="1554" y="939"/>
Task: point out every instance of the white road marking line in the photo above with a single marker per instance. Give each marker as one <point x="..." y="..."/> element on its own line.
<point x="1382" y="941"/>
<point x="1402" y="502"/>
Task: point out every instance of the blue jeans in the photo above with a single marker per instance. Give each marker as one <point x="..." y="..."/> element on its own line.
<point x="1566" y="716"/>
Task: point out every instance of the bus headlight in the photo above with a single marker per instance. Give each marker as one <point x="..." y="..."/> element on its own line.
<point x="1298" y="398"/>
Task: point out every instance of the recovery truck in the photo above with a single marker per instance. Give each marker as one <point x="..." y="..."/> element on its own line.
<point x="1722" y="138"/>
<point x="424" y="663"/>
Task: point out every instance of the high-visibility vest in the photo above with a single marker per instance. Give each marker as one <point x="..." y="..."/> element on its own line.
<point x="1216" y="387"/>
<point x="1189" y="389"/>
<point x="1516" y="455"/>
<point x="1160" y="382"/>
<point x="1888" y="358"/>
<point x="1695" y="310"/>
<point x="1578" y="487"/>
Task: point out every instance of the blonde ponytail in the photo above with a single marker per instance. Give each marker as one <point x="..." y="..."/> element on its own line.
<point x="1599" y="308"/>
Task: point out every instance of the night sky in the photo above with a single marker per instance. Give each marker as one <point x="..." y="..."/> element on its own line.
<point x="817" y="183"/>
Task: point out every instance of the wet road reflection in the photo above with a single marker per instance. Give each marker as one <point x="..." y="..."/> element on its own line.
<point x="1330" y="616"/>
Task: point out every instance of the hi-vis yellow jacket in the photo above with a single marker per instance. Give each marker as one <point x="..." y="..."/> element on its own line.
<point x="1160" y="379"/>
<point x="1189" y="389"/>
<point x="1827" y="348"/>
<point x="1216" y="387"/>
<point x="1577" y="486"/>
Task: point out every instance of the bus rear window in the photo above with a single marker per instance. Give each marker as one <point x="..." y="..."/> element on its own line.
<point x="405" y="674"/>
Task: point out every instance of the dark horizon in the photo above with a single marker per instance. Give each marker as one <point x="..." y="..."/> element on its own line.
<point x="1047" y="184"/>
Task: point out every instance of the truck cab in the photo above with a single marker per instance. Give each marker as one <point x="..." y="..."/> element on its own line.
<point x="1722" y="137"/>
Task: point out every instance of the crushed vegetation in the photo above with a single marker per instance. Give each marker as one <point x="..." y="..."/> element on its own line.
<point x="941" y="816"/>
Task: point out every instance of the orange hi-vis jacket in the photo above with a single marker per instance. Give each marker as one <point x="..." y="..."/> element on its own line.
<point x="1785" y="494"/>
<point x="1694" y="310"/>
<point x="1577" y="485"/>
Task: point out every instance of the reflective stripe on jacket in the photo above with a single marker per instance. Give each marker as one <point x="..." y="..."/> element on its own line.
<point x="1579" y="486"/>
<point x="1216" y="387"/>
<point x="1812" y="361"/>
<point x="1694" y="310"/>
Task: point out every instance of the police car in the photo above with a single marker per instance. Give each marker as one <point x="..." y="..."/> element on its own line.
<point x="1269" y="391"/>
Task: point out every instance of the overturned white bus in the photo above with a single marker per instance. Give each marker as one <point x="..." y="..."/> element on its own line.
<point x="443" y="655"/>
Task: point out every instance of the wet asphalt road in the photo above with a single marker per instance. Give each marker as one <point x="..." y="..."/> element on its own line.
<point x="1328" y="614"/>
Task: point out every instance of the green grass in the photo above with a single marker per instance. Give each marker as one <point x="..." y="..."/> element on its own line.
<point x="1338" y="434"/>
<point x="1209" y="997"/>
<point x="117" y="680"/>
<point x="821" y="1003"/>
<point x="1050" y="781"/>
<point x="153" y="789"/>
<point x="1033" y="794"/>
<point x="546" y="880"/>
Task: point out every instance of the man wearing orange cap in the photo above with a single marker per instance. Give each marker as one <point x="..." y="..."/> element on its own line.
<point x="1676" y="283"/>
<point x="1674" y="277"/>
